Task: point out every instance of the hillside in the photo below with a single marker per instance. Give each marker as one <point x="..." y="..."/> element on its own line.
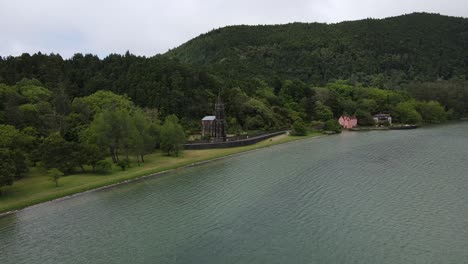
<point x="270" y="76"/>
<point x="418" y="46"/>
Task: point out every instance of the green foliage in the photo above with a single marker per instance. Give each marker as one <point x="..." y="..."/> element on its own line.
<point x="406" y="113"/>
<point x="431" y="112"/>
<point x="416" y="46"/>
<point x="58" y="153"/>
<point x="299" y="128"/>
<point x="101" y="100"/>
<point x="15" y="143"/>
<point x="323" y="112"/>
<point x="34" y="93"/>
<point x="7" y="168"/>
<point x="90" y="154"/>
<point x="55" y="175"/>
<point x="172" y="136"/>
<point x="364" y="118"/>
<point x="332" y="125"/>
<point x="145" y="135"/>
<point x="317" y="125"/>
<point x="103" y="166"/>
<point x="113" y="130"/>
<point x="123" y="164"/>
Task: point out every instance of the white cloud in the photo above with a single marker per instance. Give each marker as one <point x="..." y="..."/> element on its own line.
<point x="147" y="27"/>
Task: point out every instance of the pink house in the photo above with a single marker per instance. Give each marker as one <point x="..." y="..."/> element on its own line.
<point x="347" y="121"/>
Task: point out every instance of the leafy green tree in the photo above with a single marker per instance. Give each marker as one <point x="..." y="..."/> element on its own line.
<point x="19" y="160"/>
<point x="431" y="112"/>
<point x="33" y="91"/>
<point x="7" y="168"/>
<point x="90" y="154"/>
<point x="332" y="125"/>
<point x="17" y="144"/>
<point x="299" y="128"/>
<point x="364" y="118"/>
<point x="112" y="129"/>
<point x="368" y="105"/>
<point x="322" y="112"/>
<point x="102" y="100"/>
<point x="124" y="163"/>
<point x="406" y="113"/>
<point x="144" y="137"/>
<point x="103" y="166"/>
<point x="55" y="175"/>
<point x="59" y="153"/>
<point x="172" y="136"/>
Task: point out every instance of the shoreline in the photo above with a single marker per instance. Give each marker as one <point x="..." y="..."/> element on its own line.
<point x="255" y="147"/>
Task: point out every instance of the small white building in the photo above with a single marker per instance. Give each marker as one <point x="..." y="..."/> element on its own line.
<point x="382" y="118"/>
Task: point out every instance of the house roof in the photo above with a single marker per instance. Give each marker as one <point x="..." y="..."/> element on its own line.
<point x="209" y="118"/>
<point x="348" y="117"/>
<point x="382" y="115"/>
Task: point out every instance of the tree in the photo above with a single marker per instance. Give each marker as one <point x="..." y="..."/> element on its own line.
<point x="172" y="136"/>
<point x="112" y="130"/>
<point x="431" y="112"/>
<point x="364" y="118"/>
<point x="55" y="174"/>
<point x="102" y="100"/>
<point x="103" y="166"/>
<point x="17" y="144"/>
<point x="332" y="125"/>
<point x="90" y="154"/>
<point x="299" y="128"/>
<point x="144" y="137"/>
<point x="406" y="113"/>
<point x="7" y="168"/>
<point x="59" y="153"/>
<point x="322" y="112"/>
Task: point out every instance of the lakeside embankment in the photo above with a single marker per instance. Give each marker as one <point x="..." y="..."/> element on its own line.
<point x="37" y="188"/>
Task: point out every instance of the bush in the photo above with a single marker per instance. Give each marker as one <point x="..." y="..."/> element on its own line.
<point x="364" y="118"/>
<point x="124" y="164"/>
<point x="103" y="166"/>
<point x="299" y="128"/>
<point x="317" y="125"/>
<point x="55" y="174"/>
<point x="332" y="125"/>
<point x="407" y="114"/>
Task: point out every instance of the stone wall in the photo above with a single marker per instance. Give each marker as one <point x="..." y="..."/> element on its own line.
<point x="231" y="144"/>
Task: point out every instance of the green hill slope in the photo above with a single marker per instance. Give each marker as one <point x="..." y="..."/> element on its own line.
<point x="418" y="46"/>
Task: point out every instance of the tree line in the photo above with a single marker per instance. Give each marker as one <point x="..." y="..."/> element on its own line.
<point x="45" y="128"/>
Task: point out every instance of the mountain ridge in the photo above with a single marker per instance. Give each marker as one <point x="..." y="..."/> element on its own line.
<point x="420" y="46"/>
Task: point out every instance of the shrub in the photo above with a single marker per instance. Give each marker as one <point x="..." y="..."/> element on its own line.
<point x="317" y="125"/>
<point x="364" y="118"/>
<point x="55" y="174"/>
<point x="299" y="128"/>
<point x="124" y="164"/>
<point x="332" y="125"/>
<point x="103" y="166"/>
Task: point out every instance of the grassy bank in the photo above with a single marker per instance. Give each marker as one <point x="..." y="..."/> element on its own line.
<point x="36" y="187"/>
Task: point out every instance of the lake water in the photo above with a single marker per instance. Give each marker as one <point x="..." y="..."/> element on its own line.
<point x="363" y="197"/>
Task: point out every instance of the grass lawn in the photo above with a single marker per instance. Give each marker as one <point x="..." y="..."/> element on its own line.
<point x="37" y="187"/>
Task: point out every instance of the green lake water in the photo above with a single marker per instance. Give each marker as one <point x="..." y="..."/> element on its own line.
<point x="362" y="197"/>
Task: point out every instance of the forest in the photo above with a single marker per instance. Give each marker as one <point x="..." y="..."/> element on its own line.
<point x="86" y="113"/>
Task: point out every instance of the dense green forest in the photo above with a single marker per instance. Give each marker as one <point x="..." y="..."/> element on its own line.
<point x="70" y="114"/>
<point x="378" y="52"/>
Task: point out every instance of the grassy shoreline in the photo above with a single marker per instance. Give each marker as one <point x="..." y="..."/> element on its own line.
<point x="36" y="188"/>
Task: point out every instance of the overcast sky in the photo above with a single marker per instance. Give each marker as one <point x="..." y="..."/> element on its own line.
<point x="148" y="27"/>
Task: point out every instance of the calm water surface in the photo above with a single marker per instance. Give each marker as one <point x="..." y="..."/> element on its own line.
<point x="371" y="197"/>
